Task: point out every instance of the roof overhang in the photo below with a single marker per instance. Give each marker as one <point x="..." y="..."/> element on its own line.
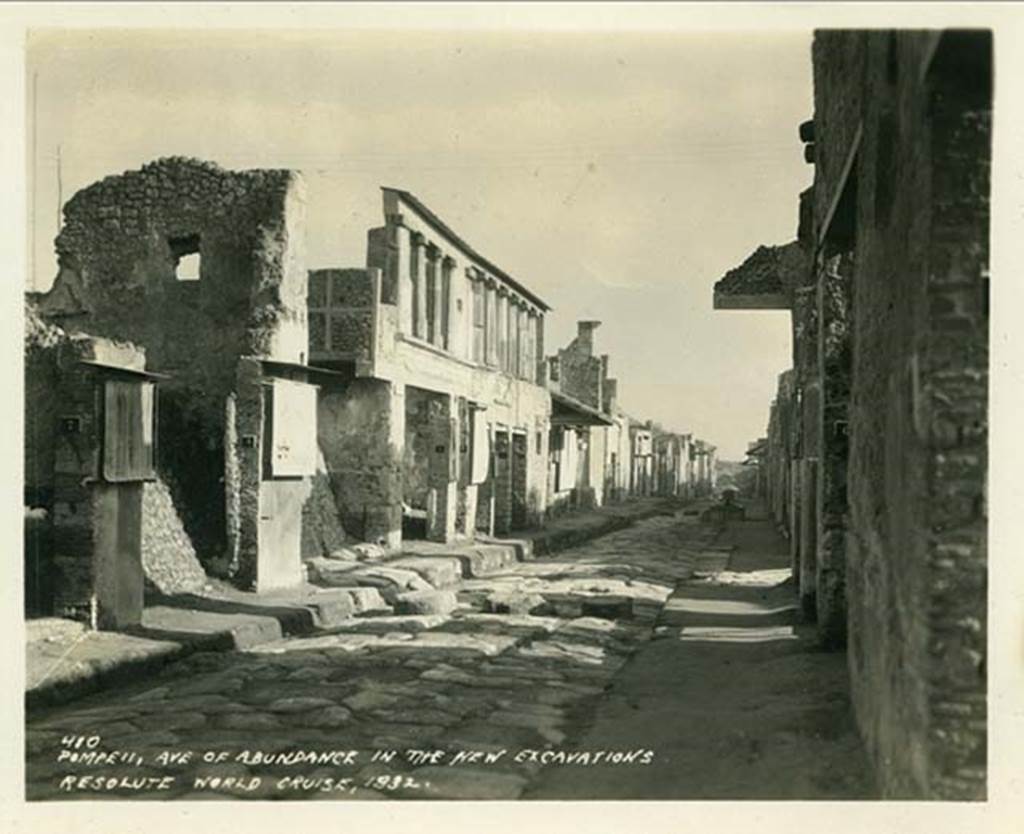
<point x="426" y="214"/>
<point x="568" y="411"/>
<point x="121" y="370"/>
<point x="751" y="301"/>
<point x="764" y="281"/>
<point x="313" y="373"/>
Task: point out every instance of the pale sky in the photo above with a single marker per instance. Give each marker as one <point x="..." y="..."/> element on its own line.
<point x="617" y="175"/>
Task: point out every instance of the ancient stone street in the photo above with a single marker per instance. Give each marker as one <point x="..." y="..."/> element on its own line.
<point x="488" y="699"/>
<point x="567" y="411"/>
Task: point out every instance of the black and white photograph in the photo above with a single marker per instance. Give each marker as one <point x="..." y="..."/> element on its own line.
<point x="425" y="405"/>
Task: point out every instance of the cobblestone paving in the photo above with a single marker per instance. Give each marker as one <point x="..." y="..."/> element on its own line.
<point x="473" y="682"/>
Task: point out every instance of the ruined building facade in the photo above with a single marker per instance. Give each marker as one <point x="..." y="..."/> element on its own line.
<point x="437" y="420"/>
<point x="601" y="455"/>
<point x="228" y="338"/>
<point x="201" y="402"/>
<point x="584" y="466"/>
<point x="876" y="455"/>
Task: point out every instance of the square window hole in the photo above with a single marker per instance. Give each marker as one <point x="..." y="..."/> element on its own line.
<point x="185" y="251"/>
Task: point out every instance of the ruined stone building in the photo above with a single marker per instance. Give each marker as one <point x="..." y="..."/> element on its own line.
<point x="756" y="460"/>
<point x="598" y="453"/>
<point x="705" y="472"/>
<point x="876" y="452"/>
<point x="436" y="421"/>
<point x="671" y="454"/>
<point x="90" y="478"/>
<point x="204" y="403"/>
<point x="642" y="458"/>
<point x="585" y="468"/>
<point x="202" y="271"/>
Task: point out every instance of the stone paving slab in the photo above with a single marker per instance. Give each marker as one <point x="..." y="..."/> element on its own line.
<point x="474" y="560"/>
<point x="65" y="660"/>
<point x="745" y="708"/>
<point x="465" y="679"/>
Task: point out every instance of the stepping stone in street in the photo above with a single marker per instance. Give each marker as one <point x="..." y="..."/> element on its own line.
<point x="439" y="571"/>
<point x="426" y="602"/>
<point x="514" y="603"/>
<point x="389" y="581"/>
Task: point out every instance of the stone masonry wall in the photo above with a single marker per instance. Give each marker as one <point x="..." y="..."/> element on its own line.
<point x="581" y="374"/>
<point x="356" y="426"/>
<point x="322" y="528"/>
<point x="117" y="253"/>
<point x="55" y="387"/>
<point x="834" y="350"/>
<point x="168" y="558"/>
<point x="916" y="559"/>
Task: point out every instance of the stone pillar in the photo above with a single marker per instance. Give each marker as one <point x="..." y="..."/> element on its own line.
<point x="491" y="341"/>
<point x="502" y="321"/>
<point x="502" y="482"/>
<point x="433" y="293"/>
<point x="519" y="480"/>
<point x="97" y="517"/>
<point x="76" y="467"/>
<point x="403" y="261"/>
<point x="485" y="506"/>
<point x="118" y="579"/>
<point x="232" y="485"/>
<point x="448" y="312"/>
<point x="471" y="493"/>
<point x="417" y="258"/>
<point x="248" y="461"/>
<point x="443" y="470"/>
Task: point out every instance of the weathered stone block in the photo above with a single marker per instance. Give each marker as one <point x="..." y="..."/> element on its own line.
<point x="426" y="602"/>
<point x="439" y="571"/>
<point x="514" y="603"/>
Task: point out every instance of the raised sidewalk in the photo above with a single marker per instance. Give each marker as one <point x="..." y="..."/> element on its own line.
<point x="64" y="660"/>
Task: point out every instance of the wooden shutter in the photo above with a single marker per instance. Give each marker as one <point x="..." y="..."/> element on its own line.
<point x="128" y="430"/>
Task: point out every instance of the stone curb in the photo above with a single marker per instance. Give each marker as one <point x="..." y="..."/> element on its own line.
<point x="100" y="674"/>
<point x="551" y="541"/>
<point x="293" y="620"/>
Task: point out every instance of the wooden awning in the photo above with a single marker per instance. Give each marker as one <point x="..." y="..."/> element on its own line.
<point x="568" y="411"/>
<point x="764" y="281"/>
<point x="121" y="370"/>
